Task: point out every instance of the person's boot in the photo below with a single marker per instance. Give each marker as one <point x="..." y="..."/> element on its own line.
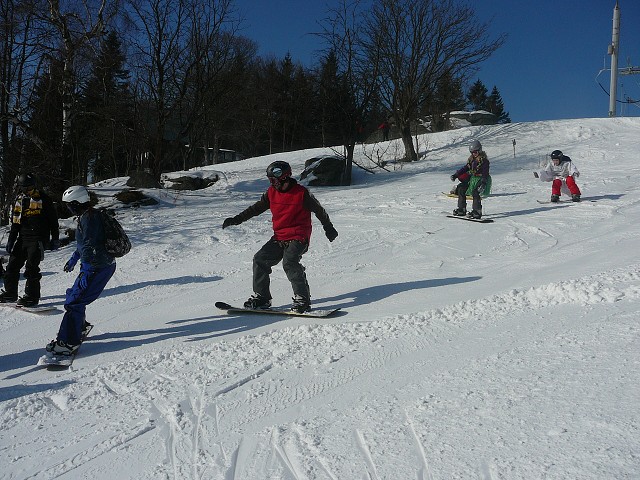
<point x="301" y="304"/>
<point x="6" y="297"/>
<point x="460" y="212"/>
<point x="27" y="301"/>
<point x="257" y="302"/>
<point x="555" y="198"/>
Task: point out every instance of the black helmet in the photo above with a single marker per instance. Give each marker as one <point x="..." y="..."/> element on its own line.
<point x="278" y="172"/>
<point x="26" y="180"/>
<point x="556" y="155"/>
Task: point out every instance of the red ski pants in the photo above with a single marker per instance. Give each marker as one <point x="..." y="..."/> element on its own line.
<point x="571" y="184"/>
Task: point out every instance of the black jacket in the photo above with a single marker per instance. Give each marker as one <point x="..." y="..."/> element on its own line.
<point x="34" y="218"/>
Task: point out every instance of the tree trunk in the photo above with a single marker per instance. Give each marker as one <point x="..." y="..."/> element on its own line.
<point x="348" y="166"/>
<point x="410" y="154"/>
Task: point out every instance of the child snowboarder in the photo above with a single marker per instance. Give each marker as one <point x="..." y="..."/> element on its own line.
<point x="477" y="184"/>
<point x="562" y="172"/>
<point x="291" y="205"/>
<point x="97" y="267"/>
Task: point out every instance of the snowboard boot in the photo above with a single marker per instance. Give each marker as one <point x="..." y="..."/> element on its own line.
<point x="6" y="297"/>
<point x="460" y="212"/>
<point x="86" y="328"/>
<point x="257" y="302"/>
<point x="301" y="304"/>
<point x="58" y="347"/>
<point x="576" y="197"/>
<point x="27" y="301"/>
<point x="555" y="198"/>
<point x="475" y="214"/>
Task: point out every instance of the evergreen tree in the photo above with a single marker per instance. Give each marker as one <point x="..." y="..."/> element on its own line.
<point x="44" y="133"/>
<point x="448" y="97"/>
<point x="107" y="126"/>
<point x="495" y="106"/>
<point x="478" y="96"/>
<point x="330" y="91"/>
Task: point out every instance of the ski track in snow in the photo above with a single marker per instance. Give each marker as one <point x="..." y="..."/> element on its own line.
<point x="230" y="409"/>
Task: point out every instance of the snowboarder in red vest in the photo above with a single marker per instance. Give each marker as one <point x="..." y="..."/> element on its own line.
<point x="291" y="205"/>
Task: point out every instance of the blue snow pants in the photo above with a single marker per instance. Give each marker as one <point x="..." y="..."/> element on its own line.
<point x="88" y="286"/>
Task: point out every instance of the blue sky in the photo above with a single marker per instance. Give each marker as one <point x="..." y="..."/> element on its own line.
<point x="546" y="70"/>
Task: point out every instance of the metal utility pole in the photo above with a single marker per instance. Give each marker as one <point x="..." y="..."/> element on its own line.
<point x="613" y="51"/>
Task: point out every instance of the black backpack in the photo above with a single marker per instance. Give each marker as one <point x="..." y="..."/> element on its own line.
<point x="116" y="240"/>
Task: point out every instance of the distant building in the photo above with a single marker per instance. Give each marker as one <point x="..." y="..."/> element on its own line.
<point x="226" y="156"/>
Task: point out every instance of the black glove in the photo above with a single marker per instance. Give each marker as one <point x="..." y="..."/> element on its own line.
<point x="229" y="221"/>
<point x="453" y="177"/>
<point x="330" y="232"/>
<point x="10" y="243"/>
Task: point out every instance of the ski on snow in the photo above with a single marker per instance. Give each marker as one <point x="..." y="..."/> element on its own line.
<point x="277" y="311"/>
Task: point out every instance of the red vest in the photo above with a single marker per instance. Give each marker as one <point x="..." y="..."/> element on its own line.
<point x="290" y="219"/>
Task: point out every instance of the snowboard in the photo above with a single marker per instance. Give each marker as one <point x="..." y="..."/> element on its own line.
<point x="566" y="200"/>
<point x="481" y="220"/>
<point x="469" y="197"/>
<point x="53" y="361"/>
<point x="41" y="309"/>
<point x="60" y="362"/>
<point x="276" y="311"/>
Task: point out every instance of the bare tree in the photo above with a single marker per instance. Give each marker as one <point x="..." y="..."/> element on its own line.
<point x="21" y="50"/>
<point x="421" y="41"/>
<point x="175" y="37"/>
<point x="78" y="25"/>
<point x="356" y="76"/>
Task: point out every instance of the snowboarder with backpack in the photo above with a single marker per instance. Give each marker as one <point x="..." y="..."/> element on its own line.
<point x="97" y="266"/>
<point x="477" y="184"/>
<point x="291" y="205"/>
<point x="562" y="172"/>
<point x="34" y="229"/>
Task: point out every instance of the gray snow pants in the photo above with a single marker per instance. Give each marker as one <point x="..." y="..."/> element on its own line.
<point x="271" y="253"/>
<point x="461" y="190"/>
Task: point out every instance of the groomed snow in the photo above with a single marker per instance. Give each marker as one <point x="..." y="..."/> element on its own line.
<point x="463" y="351"/>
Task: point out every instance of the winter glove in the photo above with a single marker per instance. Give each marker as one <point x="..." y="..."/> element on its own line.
<point x="330" y="232"/>
<point x="535" y="174"/>
<point x="453" y="177"/>
<point x="83" y="279"/>
<point x="71" y="263"/>
<point x="10" y="244"/>
<point x="230" y="221"/>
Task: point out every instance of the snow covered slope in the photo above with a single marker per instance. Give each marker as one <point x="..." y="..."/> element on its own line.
<point x="490" y="351"/>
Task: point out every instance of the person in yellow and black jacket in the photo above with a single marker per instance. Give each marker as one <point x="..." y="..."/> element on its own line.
<point x="34" y="228"/>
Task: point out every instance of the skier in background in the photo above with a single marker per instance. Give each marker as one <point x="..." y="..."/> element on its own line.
<point x="291" y="205"/>
<point x="478" y="184"/>
<point x="386" y="128"/>
<point x="97" y="266"/>
<point x="562" y="172"/>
